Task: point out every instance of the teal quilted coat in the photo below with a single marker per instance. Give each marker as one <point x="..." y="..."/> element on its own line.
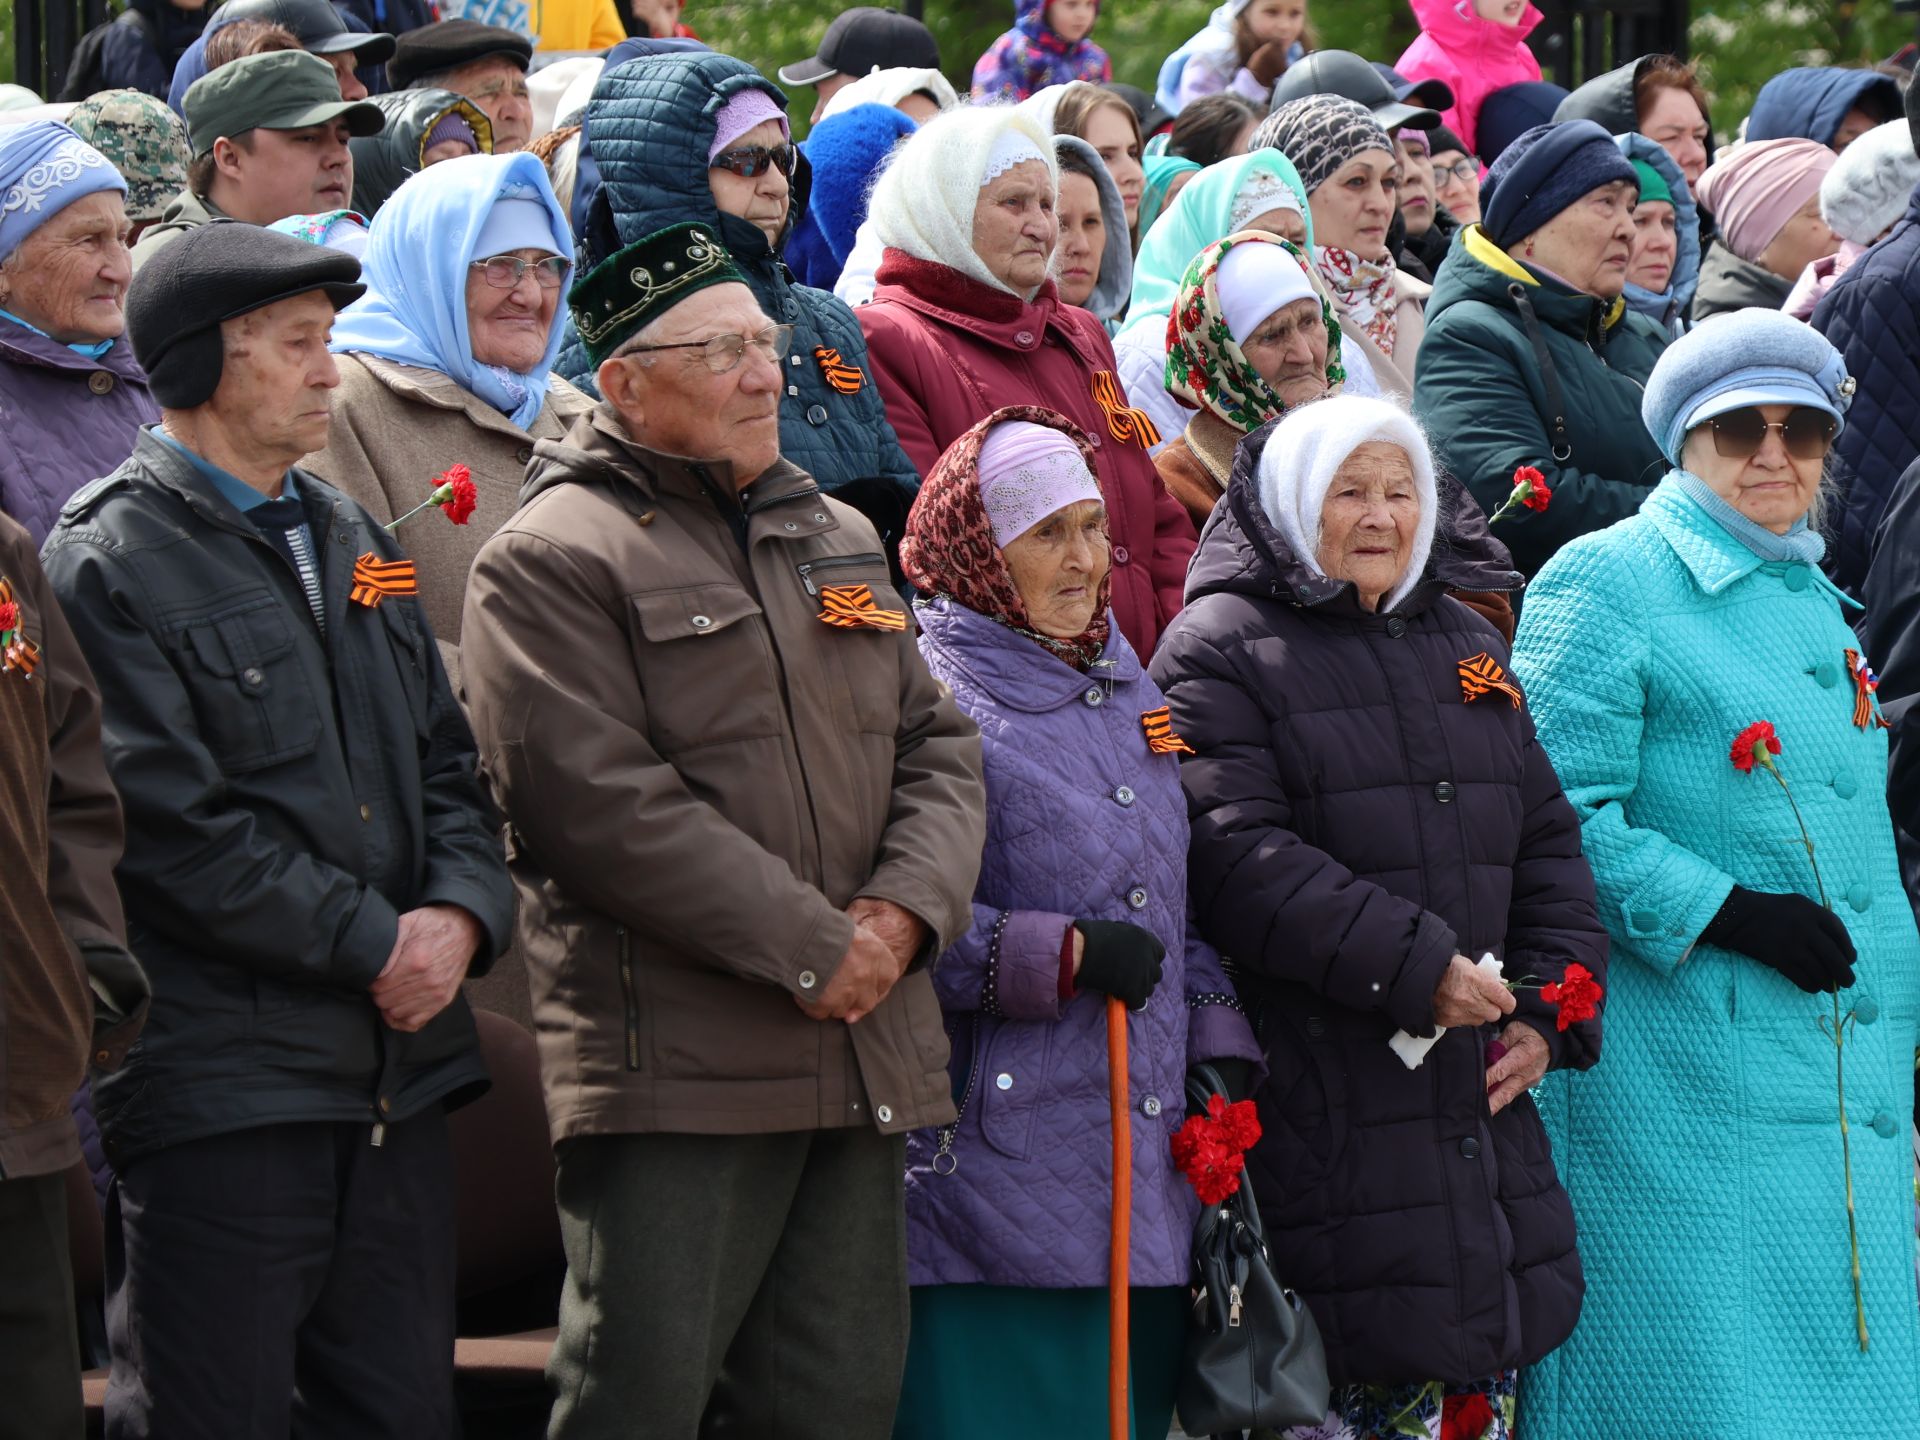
<point x="1703" y="1154"/>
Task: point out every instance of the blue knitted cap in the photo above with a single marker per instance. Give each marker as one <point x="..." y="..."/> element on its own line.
<point x="1736" y="360"/>
<point x="1543" y="172"/>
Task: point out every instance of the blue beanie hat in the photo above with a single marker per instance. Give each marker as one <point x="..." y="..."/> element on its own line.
<point x="1543" y="172"/>
<point x="1736" y="360"/>
<point x="1511" y="111"/>
<point x="847" y="152"/>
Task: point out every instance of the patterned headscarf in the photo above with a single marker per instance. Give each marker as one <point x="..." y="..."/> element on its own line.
<point x="1206" y="366"/>
<point x="948" y="547"/>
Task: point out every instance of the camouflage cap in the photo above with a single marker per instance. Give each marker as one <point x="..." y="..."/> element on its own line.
<point x="146" y="142"/>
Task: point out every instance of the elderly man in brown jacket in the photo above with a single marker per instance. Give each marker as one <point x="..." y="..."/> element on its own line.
<point x="65" y="975"/>
<point x="743" y="819"/>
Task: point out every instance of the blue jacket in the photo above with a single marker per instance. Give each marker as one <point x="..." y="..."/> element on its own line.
<point x="141" y="54"/>
<point x="1872" y="316"/>
<point x="1704" y="1154"/>
<point x="652" y="123"/>
<point x="1808" y="103"/>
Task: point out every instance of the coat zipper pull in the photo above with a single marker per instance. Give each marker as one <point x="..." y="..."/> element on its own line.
<point x="1233" y="1306"/>
<point x="380" y="1138"/>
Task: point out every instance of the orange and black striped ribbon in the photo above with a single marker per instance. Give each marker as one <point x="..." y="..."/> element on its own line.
<point x="1124" y="423"/>
<point x="1864" y="684"/>
<point x="845" y="378"/>
<point x="1160" y="737"/>
<point x="23" y="655"/>
<point x="375" y="579"/>
<point x="851" y="607"/>
<point x="1482" y="675"/>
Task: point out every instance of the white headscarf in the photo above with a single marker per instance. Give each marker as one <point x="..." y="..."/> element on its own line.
<point x="1307" y="450"/>
<point x="924" y="201"/>
<point x="890" y="87"/>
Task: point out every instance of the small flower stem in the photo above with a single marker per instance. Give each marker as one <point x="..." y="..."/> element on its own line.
<point x="1805" y="838"/>
<point x="427" y="504"/>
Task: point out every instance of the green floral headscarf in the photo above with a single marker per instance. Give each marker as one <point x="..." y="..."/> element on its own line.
<point x="1206" y="366"/>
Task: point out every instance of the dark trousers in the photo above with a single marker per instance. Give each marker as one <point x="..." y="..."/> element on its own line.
<point x="291" y="1280"/>
<point x="39" y="1348"/>
<point x="752" y="1287"/>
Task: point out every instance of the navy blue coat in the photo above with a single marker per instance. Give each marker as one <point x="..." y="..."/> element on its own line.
<point x="1808" y="103"/>
<point x="1872" y="316"/>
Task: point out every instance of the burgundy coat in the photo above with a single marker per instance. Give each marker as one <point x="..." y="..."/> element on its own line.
<point x="947" y="351"/>
<point x="1356" y="823"/>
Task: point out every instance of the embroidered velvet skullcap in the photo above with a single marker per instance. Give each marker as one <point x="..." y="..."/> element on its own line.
<point x="1027" y="472"/>
<point x="621" y="295"/>
<point x="1256" y="280"/>
<point x="1319" y="134"/>
<point x="1306" y="451"/>
<point x="745" y="110"/>
<point x="45" y="167"/>
<point x="1545" y="171"/>
<point x="1756" y="190"/>
<point x="1737" y="360"/>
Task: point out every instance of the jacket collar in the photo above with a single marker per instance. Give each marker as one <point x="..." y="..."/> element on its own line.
<point x="443" y="392"/>
<point x="1555" y="303"/>
<point x="22" y="346"/>
<point x="945" y="294"/>
<point x="177" y="474"/>
<point x="1011" y="668"/>
<point x="1714" y="558"/>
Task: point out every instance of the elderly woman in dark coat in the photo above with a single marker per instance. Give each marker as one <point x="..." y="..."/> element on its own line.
<point x="1371" y="816"/>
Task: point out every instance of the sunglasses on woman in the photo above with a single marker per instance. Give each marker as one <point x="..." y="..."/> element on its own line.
<point x="1806" y="432"/>
<point x="751" y="161"/>
<point x="503" y="272"/>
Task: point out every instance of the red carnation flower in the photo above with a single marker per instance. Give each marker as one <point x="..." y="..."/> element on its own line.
<point x="9" y="615"/>
<point x="1465" y="1417"/>
<point x="1539" y="493"/>
<point x="1577" y="994"/>
<point x="463" y="497"/>
<point x="1210" y="1149"/>
<point x="1752" y="744"/>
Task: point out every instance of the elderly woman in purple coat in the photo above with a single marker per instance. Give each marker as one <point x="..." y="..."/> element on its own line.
<point x="1082" y="896"/>
<point x="72" y="397"/>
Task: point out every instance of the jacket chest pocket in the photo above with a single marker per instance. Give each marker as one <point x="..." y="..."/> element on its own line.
<point x="251" y="696"/>
<point x="409" y="646"/>
<point x="853" y="599"/>
<point x="705" y="666"/>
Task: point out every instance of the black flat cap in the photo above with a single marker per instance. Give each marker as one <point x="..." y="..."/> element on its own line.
<point x="449" y="44"/>
<point x="215" y="273"/>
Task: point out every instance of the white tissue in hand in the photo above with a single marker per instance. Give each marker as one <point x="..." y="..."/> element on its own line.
<point x="1411" y="1049"/>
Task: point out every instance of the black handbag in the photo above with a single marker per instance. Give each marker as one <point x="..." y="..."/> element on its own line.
<point x="1254" y="1359"/>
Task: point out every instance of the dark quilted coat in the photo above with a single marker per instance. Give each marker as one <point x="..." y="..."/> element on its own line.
<point x="652" y="124"/>
<point x="1083" y="822"/>
<point x="1872" y="316"/>
<point x="1355" y="824"/>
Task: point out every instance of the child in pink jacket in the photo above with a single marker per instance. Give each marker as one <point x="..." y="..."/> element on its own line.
<point x="1477" y="47"/>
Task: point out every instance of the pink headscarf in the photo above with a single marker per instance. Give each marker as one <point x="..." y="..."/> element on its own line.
<point x="1027" y="472"/>
<point x="745" y="110"/>
<point x="1755" y="191"/>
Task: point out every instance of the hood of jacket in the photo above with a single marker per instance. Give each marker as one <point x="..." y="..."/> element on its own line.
<point x="1808" y="103"/>
<point x="1464" y="35"/>
<point x="1607" y="100"/>
<point x="382" y="162"/>
<point x="1673" y="302"/>
<point x="1477" y="269"/>
<point x="1729" y="283"/>
<point x="1114" y="284"/>
<point x="1243" y="552"/>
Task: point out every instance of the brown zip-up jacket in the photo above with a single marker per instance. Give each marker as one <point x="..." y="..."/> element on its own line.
<point x="699" y="774"/>
<point x="65" y="972"/>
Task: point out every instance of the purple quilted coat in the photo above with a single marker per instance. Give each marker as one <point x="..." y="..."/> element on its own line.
<point x="1083" y="822"/>
<point x="1355" y="824"/>
<point x="65" y="421"/>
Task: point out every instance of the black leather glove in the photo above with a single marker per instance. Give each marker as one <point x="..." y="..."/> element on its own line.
<point x="1807" y="944"/>
<point x="1120" y="960"/>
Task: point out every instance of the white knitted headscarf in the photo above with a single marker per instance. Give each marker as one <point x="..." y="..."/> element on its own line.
<point x="924" y="201"/>
<point x="890" y="87"/>
<point x="1307" y="450"/>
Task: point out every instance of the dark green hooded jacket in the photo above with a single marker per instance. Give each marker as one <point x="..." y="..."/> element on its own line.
<point x="382" y="162"/>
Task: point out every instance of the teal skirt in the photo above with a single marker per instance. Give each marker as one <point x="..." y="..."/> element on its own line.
<point x="991" y="1362"/>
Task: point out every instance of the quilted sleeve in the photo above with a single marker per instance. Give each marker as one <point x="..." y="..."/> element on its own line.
<point x="1582" y="654"/>
<point x="1007" y="964"/>
<point x="1217" y="1028"/>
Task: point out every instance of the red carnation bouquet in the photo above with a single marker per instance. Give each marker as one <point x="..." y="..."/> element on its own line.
<point x="1530" y="492"/>
<point x="453" y="491"/>
<point x="1211" y="1149"/>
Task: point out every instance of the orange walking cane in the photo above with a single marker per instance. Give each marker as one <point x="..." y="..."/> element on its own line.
<point x="1118" y="1341"/>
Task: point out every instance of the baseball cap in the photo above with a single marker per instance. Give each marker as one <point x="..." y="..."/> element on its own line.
<point x="284" y="90"/>
<point x="863" y="40"/>
<point x="314" y="23"/>
<point x="1433" y="93"/>
<point x="1341" y="72"/>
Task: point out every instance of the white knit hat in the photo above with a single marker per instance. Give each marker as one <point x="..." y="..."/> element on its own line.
<point x="890" y="87"/>
<point x="1307" y="450"/>
<point x="924" y="201"/>
<point x="1868" y="189"/>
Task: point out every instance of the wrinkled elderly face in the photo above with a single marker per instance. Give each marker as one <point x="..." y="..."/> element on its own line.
<point x="277" y="379"/>
<point x="1058" y="565"/>
<point x="672" y="402"/>
<point x="511" y="326"/>
<point x="761" y="200"/>
<point x="1772" y="486"/>
<point x="1287" y="224"/>
<point x="498" y="86"/>
<point x="1289" y="349"/>
<point x="1368" y="523"/>
<point x="1014" y="227"/>
<point x="1590" y="243"/>
<point x="70" y="276"/>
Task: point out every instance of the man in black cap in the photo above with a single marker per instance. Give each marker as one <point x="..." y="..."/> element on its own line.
<point x="269" y="136"/>
<point x="320" y="31"/>
<point x="486" y="64"/>
<point x="311" y="869"/>
<point x="857" y="43"/>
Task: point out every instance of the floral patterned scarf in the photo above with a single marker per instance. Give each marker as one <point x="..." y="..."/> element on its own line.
<point x="1206" y="366"/>
<point x="1364" y="291"/>
<point x="948" y="547"/>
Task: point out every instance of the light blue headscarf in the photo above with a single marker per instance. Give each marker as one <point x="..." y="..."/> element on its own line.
<point x="415" y="268"/>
